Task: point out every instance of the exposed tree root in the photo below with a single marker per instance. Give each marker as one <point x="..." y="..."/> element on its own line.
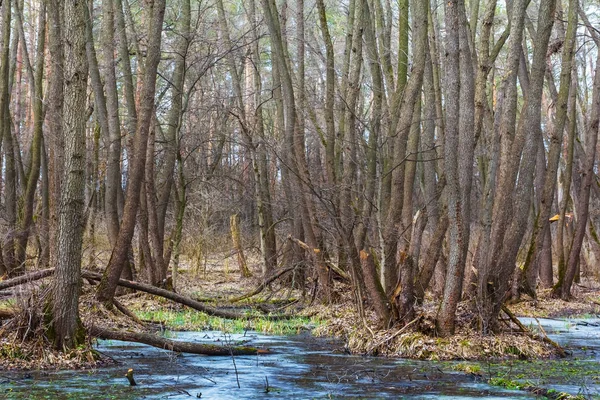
<point x="172" y="345"/>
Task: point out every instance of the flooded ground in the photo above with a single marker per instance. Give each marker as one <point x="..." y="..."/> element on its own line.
<point x="303" y="367"/>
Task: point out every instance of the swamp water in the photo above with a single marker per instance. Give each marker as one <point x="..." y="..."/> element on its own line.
<point x="304" y="367"/>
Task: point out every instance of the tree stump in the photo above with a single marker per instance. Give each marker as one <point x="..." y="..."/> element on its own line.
<point x="234" y="222"/>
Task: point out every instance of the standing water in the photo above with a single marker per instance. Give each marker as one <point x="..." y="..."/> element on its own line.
<point x="304" y="367"/>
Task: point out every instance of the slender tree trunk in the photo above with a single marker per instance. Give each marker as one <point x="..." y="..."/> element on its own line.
<point x="445" y="319"/>
<point x="5" y="134"/>
<point x="108" y="285"/>
<point x="36" y="150"/>
<point x="113" y="164"/>
<point x="584" y="192"/>
<point x="547" y="196"/>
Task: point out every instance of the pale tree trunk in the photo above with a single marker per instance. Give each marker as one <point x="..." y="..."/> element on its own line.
<point x="373" y="57"/>
<point x="125" y="63"/>
<point x="106" y="289"/>
<point x="66" y="323"/>
<point x="263" y="192"/>
<point x="174" y="118"/>
<point x="113" y="164"/>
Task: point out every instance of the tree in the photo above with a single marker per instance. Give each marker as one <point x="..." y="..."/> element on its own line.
<point x="67" y="281"/>
<point x="155" y="10"/>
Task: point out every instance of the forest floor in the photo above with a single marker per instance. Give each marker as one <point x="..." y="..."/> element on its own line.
<point x="216" y="280"/>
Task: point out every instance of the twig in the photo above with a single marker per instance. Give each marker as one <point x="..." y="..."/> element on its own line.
<point x="237" y="378"/>
<point x="545" y="338"/>
<point x="262" y="286"/>
<point x="399" y="332"/>
<point x="124" y="310"/>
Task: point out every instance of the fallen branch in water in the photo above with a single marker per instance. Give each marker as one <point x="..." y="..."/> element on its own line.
<point x="543" y="337"/>
<point x="173" y="345"/>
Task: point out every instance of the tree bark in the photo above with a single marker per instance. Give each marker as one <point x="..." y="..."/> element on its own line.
<point x="118" y="258"/>
<point x="584" y="192"/>
<point x="172" y="345"/>
<point x="71" y="220"/>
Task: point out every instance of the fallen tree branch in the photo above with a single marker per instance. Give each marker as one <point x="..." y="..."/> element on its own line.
<point x="328" y="264"/>
<point x="30" y="277"/>
<point x="186" y="301"/>
<point x="262" y="286"/>
<point x="389" y="338"/>
<point x="173" y="345"/>
<point x="544" y="337"/>
<point x="125" y="311"/>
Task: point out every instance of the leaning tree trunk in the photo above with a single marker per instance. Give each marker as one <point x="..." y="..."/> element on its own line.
<point x="71" y="214"/>
<point x="118" y="258"/>
<point x="35" y="152"/>
<point x="584" y="192"/>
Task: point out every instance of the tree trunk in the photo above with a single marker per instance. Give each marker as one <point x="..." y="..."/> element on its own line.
<point x="172" y="345"/>
<point x="584" y="192"/>
<point x="118" y="258"/>
<point x="234" y="223"/>
<point x="35" y="151"/>
<point x="71" y="222"/>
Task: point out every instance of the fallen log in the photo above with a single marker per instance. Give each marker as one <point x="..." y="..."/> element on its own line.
<point x="186" y="301"/>
<point x="262" y="286"/>
<point x="173" y="345"/>
<point x="30" y="277"/>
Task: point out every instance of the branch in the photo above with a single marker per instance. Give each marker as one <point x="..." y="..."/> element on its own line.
<point x="172" y="345"/>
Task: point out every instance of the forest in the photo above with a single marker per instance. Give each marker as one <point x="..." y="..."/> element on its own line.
<point x="428" y="167"/>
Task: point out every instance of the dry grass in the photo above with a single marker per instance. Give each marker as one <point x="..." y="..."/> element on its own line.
<point x="417" y="342"/>
<point x="214" y="276"/>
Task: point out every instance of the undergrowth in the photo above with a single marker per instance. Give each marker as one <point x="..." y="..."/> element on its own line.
<point x="190" y="320"/>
